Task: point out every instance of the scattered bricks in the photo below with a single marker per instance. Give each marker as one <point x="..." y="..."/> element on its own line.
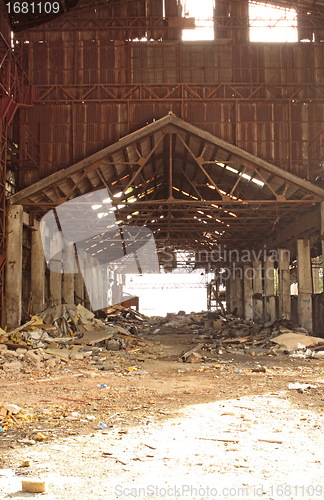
<point x="46" y="356"/>
<point x="319" y="355"/>
<point x="194" y="357"/>
<point x="12" y="367"/>
<point x="89" y="374"/>
<point x="41" y="354"/>
<point x="50" y="363"/>
<point x="76" y="356"/>
<point x="259" y="369"/>
<point x="40" y="437"/>
<point x="186" y="355"/>
<point x="3" y="347"/>
<point x="14" y="409"/>
<point x="29" y="442"/>
<point x="62" y="354"/>
<point x="26" y="463"/>
<point x="3" y="412"/>
<point x="20" y="351"/>
<point x="52" y="345"/>
<point x="217" y="324"/>
<point x="113" y="345"/>
<point x="10" y="354"/>
<point x="32" y="357"/>
<point x="34" y="486"/>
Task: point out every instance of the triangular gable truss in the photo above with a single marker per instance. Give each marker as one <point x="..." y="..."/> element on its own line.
<point x="192" y="189"/>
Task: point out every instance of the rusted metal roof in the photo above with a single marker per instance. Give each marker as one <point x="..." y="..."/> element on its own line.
<point x="192" y="189"/>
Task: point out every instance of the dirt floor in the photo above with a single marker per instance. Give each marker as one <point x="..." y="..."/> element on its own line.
<point x="204" y="430"/>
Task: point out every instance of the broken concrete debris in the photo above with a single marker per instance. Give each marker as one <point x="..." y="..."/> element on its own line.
<point x="72" y="334"/>
<point x="282" y="336"/>
<point x="69" y="333"/>
<point x="33" y="486"/>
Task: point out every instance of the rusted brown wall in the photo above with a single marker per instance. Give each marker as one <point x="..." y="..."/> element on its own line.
<point x="4" y="24"/>
<point x="270" y="124"/>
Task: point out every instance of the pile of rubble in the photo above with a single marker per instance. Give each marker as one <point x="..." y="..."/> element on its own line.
<point x="229" y="334"/>
<point x="71" y="334"/>
<point x="219" y="334"/>
<point x="68" y="333"/>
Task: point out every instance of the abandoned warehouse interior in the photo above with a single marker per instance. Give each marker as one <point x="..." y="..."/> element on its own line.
<point x="128" y="148"/>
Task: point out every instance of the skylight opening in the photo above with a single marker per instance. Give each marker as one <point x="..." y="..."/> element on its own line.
<point x="232" y="169"/>
<point x="256" y="181"/>
<point x="272" y="24"/>
<point x="203" y="12"/>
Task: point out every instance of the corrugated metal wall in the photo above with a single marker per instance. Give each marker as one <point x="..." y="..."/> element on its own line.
<point x="4" y="25"/>
<point x="270" y="125"/>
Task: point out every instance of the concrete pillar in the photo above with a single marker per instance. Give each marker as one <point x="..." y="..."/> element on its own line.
<point x="117" y="290"/>
<point x="55" y="266"/>
<point x="95" y="285"/>
<point x="257" y="291"/>
<point x="87" y="280"/>
<point x="37" y="281"/>
<point x="105" y="286"/>
<point x="233" y="292"/>
<point x="68" y="277"/>
<point x="304" y="274"/>
<point x="227" y="284"/>
<point x="322" y="229"/>
<point x="248" y="291"/>
<point x="239" y="292"/>
<point x="270" y="302"/>
<point x="284" y="283"/>
<point x="13" y="292"/>
<point x="101" y="301"/>
<point x="316" y="278"/>
<point x="78" y="280"/>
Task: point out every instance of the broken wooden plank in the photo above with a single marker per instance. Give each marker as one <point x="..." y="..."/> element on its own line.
<point x="194" y="349"/>
<point x="222" y="440"/>
<point x="274" y="441"/>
